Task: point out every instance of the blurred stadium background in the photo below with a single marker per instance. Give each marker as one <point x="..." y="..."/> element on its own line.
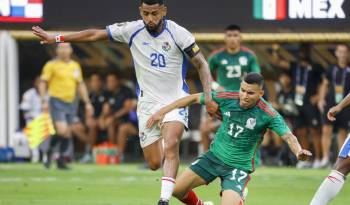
<point x="266" y="25"/>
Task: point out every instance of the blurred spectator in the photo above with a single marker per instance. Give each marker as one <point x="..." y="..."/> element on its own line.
<point x="63" y="77"/>
<point x="286" y="107"/>
<point x="228" y="65"/>
<point x="335" y="86"/>
<point x="31" y="107"/>
<point x="31" y="102"/>
<point x="119" y="102"/>
<point x="97" y="99"/>
<point x="306" y="78"/>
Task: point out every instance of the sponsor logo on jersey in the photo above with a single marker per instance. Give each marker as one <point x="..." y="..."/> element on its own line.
<point x="251" y="122"/>
<point x="166" y="46"/>
<point x="145" y="43"/>
<point x="224" y="62"/>
<point x="243" y="61"/>
<point x="228" y="114"/>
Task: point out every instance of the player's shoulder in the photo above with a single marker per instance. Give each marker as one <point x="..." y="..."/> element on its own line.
<point x="217" y="52"/>
<point x="175" y="29"/>
<point x="247" y="51"/>
<point x="227" y="95"/>
<point x="129" y="25"/>
<point x="75" y="63"/>
<point x="267" y="108"/>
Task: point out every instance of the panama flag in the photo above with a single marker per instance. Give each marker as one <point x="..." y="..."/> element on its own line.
<point x="270" y="9"/>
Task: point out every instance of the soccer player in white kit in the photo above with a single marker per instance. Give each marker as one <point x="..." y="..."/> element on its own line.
<point x="160" y="49"/>
<point x="334" y="182"/>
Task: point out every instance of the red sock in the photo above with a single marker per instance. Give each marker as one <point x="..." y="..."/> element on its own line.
<point x="191" y="199"/>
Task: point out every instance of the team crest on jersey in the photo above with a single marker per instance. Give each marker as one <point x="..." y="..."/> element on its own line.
<point x="224" y="62"/>
<point x="243" y="60"/>
<point x="251" y="122"/>
<point x="166" y="46"/>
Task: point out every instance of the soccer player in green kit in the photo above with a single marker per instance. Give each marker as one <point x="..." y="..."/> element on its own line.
<point x="227" y="65"/>
<point x="246" y="116"/>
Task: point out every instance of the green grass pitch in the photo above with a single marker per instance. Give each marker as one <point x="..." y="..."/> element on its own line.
<point x="26" y="184"/>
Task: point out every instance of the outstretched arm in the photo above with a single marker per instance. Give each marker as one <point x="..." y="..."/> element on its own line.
<point x="81" y="36"/>
<point x="204" y="74"/>
<point x="336" y="109"/>
<point x="294" y="145"/>
<point x="183" y="102"/>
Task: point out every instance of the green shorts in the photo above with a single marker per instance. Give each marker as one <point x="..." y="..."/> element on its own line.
<point x="209" y="168"/>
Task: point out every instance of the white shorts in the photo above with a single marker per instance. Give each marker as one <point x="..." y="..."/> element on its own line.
<point x="345" y="150"/>
<point x="145" y="110"/>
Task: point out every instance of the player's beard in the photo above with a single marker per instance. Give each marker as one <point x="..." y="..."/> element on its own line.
<point x="154" y="31"/>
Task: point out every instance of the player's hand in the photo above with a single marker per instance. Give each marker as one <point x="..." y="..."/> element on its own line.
<point x="45" y="107"/>
<point x="89" y="109"/>
<point x="304" y="155"/>
<point x="213" y="109"/>
<point x="45" y="38"/>
<point x="332" y="112"/>
<point x="321" y="104"/>
<point x="155" y="118"/>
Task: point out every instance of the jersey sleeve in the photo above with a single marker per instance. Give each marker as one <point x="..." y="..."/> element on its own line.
<point x="219" y="97"/>
<point x="278" y="125"/>
<point x="184" y="40"/>
<point x="47" y="72"/>
<point x="254" y="65"/>
<point x="122" y="32"/>
<point x="212" y="64"/>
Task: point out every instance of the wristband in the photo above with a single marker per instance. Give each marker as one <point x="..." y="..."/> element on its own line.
<point x="59" y="38"/>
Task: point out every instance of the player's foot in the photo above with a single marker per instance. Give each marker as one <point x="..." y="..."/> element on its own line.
<point x="161" y="202"/>
<point x="61" y="164"/>
<point x="208" y="203"/>
<point x="47" y="162"/>
<point x="304" y="165"/>
<point x="325" y="163"/>
<point x="316" y="164"/>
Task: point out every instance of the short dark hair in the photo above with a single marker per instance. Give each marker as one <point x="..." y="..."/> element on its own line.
<point x="114" y="73"/>
<point x="152" y="2"/>
<point x="254" y="78"/>
<point x="233" y="27"/>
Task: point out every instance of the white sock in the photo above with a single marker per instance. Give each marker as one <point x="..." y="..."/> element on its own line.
<point x="330" y="187"/>
<point x="168" y="185"/>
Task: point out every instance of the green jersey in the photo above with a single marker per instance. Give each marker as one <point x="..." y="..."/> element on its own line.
<point x="242" y="130"/>
<point x="229" y="68"/>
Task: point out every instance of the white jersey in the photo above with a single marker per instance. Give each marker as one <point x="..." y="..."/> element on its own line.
<point x="159" y="61"/>
<point x="31" y="104"/>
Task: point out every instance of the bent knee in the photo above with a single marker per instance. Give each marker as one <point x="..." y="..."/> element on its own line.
<point x="154" y="165"/>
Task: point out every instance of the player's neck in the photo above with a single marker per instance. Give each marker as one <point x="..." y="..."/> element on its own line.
<point x="158" y="30"/>
<point x="233" y="50"/>
<point x="66" y="60"/>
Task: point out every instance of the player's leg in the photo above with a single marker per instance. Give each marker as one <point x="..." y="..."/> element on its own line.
<point x="327" y="131"/>
<point x="187" y="181"/>
<point x="111" y="129"/>
<point x="334" y="182"/>
<point x="125" y="130"/>
<point x="153" y="154"/>
<point x="230" y="197"/>
<point x="342" y="133"/>
<point x="316" y="140"/>
<point x="171" y="132"/>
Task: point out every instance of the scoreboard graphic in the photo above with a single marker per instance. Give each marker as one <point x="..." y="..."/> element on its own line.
<point x="21" y="11"/>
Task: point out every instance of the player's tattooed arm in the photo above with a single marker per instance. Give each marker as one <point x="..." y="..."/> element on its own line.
<point x="80" y="36"/>
<point x="183" y="102"/>
<point x="202" y="66"/>
<point x="294" y="145"/>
